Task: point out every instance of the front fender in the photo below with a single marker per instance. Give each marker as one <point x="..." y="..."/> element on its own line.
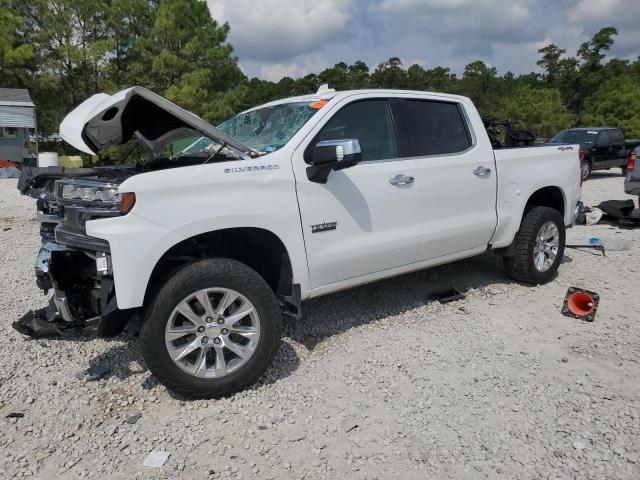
<point x="173" y="205"/>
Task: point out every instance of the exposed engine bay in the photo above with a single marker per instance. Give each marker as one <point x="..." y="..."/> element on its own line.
<point x="75" y="266"/>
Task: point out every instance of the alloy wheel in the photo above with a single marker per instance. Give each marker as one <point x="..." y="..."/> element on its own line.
<point x="212" y="332"/>
<point x="546" y="247"/>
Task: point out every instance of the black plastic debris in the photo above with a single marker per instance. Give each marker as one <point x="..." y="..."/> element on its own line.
<point x="600" y="248"/>
<point x="94" y="372"/>
<point x="447" y="296"/>
<point x="15" y="415"/>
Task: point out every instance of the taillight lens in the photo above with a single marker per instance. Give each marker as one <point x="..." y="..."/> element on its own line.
<point x="631" y="163"/>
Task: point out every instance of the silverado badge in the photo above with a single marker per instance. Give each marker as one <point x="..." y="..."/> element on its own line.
<point x="324" y="227"/>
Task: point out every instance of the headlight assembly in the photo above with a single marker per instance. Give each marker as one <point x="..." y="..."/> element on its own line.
<point x="107" y="194"/>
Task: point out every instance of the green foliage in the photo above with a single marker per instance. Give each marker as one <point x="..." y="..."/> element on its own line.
<point x="63" y="51"/>
<point x="539" y="110"/>
<point x="616" y="103"/>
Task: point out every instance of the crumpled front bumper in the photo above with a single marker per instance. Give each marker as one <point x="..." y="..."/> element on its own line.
<point x="83" y="294"/>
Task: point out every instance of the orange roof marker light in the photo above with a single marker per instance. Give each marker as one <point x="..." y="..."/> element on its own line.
<point x="317" y="105"/>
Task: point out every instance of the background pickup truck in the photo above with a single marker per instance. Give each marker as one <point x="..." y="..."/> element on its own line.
<point x="287" y="201"/>
<point x="601" y="148"/>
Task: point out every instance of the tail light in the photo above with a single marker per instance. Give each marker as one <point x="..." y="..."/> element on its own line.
<point x="631" y="163"/>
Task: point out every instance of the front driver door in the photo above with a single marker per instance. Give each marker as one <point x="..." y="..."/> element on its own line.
<point x="362" y="220"/>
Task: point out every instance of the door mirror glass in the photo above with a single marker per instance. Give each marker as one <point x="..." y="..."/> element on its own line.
<point x="330" y="155"/>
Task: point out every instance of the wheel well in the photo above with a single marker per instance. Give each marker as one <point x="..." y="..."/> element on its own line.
<point x="546" y="197"/>
<point x="258" y="248"/>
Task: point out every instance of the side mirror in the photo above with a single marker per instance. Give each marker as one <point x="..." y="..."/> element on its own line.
<point x="330" y="155"/>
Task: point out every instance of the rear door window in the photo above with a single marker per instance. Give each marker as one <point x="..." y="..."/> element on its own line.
<point x="603" y="139"/>
<point x="434" y="128"/>
<point x="617" y="138"/>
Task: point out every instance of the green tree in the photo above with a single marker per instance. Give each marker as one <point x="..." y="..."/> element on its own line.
<point x="389" y="74"/>
<point x="15" y="54"/>
<point x="539" y="110"/>
<point x="551" y="63"/>
<point x="615" y="104"/>
<point x="191" y="61"/>
<point x="480" y="83"/>
<point x="129" y="23"/>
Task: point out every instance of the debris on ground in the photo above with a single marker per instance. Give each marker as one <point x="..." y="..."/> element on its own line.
<point x="14" y="415"/>
<point x="580" y="303"/>
<point x="155" y="459"/>
<point x="94" y="372"/>
<point x="446" y="296"/>
<point x="618" y="212"/>
<point x="600" y="248"/>
<point x="9" y="170"/>
<point x="132" y="419"/>
<point x="579" y="445"/>
<point x="612" y="244"/>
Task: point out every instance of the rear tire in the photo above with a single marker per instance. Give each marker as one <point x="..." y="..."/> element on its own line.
<point x="215" y="376"/>
<point x="522" y="266"/>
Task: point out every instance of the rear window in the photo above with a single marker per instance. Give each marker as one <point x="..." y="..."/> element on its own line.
<point x="434" y="128"/>
<point x="582" y="137"/>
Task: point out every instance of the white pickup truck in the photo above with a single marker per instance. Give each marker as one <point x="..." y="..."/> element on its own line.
<point x="284" y="202"/>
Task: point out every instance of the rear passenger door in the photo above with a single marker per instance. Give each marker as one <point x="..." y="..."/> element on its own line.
<point x="618" y="151"/>
<point x="603" y="151"/>
<point x="456" y="178"/>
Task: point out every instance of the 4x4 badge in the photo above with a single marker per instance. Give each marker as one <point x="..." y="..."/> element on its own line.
<point x="324" y="227"/>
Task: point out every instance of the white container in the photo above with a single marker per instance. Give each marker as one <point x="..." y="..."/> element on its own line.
<point x="48" y="159"/>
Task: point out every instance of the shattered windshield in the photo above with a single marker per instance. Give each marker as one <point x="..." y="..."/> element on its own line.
<point x="266" y="129"/>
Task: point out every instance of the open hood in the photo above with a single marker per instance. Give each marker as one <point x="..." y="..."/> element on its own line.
<point x="104" y="120"/>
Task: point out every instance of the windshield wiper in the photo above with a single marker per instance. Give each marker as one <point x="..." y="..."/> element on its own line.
<point x="222" y="145"/>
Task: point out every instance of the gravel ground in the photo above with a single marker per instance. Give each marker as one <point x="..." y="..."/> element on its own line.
<point x="375" y="382"/>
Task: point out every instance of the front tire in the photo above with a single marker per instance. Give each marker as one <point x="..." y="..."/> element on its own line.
<point x="212" y="329"/>
<point x="539" y="247"/>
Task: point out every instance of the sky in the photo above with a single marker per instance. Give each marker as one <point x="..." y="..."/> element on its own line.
<point x="277" y="38"/>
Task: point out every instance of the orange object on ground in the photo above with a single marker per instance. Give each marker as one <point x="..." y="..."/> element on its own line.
<point x="7" y="164"/>
<point x="580" y="303"/>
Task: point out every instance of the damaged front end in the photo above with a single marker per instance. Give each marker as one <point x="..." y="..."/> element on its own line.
<point x="75" y="266"/>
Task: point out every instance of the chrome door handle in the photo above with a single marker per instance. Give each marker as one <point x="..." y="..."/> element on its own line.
<point x="482" y="171"/>
<point x="400" y="180"/>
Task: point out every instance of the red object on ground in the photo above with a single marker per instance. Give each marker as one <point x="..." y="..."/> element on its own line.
<point x="580" y="303"/>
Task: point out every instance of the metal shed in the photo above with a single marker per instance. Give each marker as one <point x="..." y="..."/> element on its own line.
<point x="17" y="125"/>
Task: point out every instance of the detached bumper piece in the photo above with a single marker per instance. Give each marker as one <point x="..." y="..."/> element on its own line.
<point x="50" y="322"/>
<point x="84" y="297"/>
